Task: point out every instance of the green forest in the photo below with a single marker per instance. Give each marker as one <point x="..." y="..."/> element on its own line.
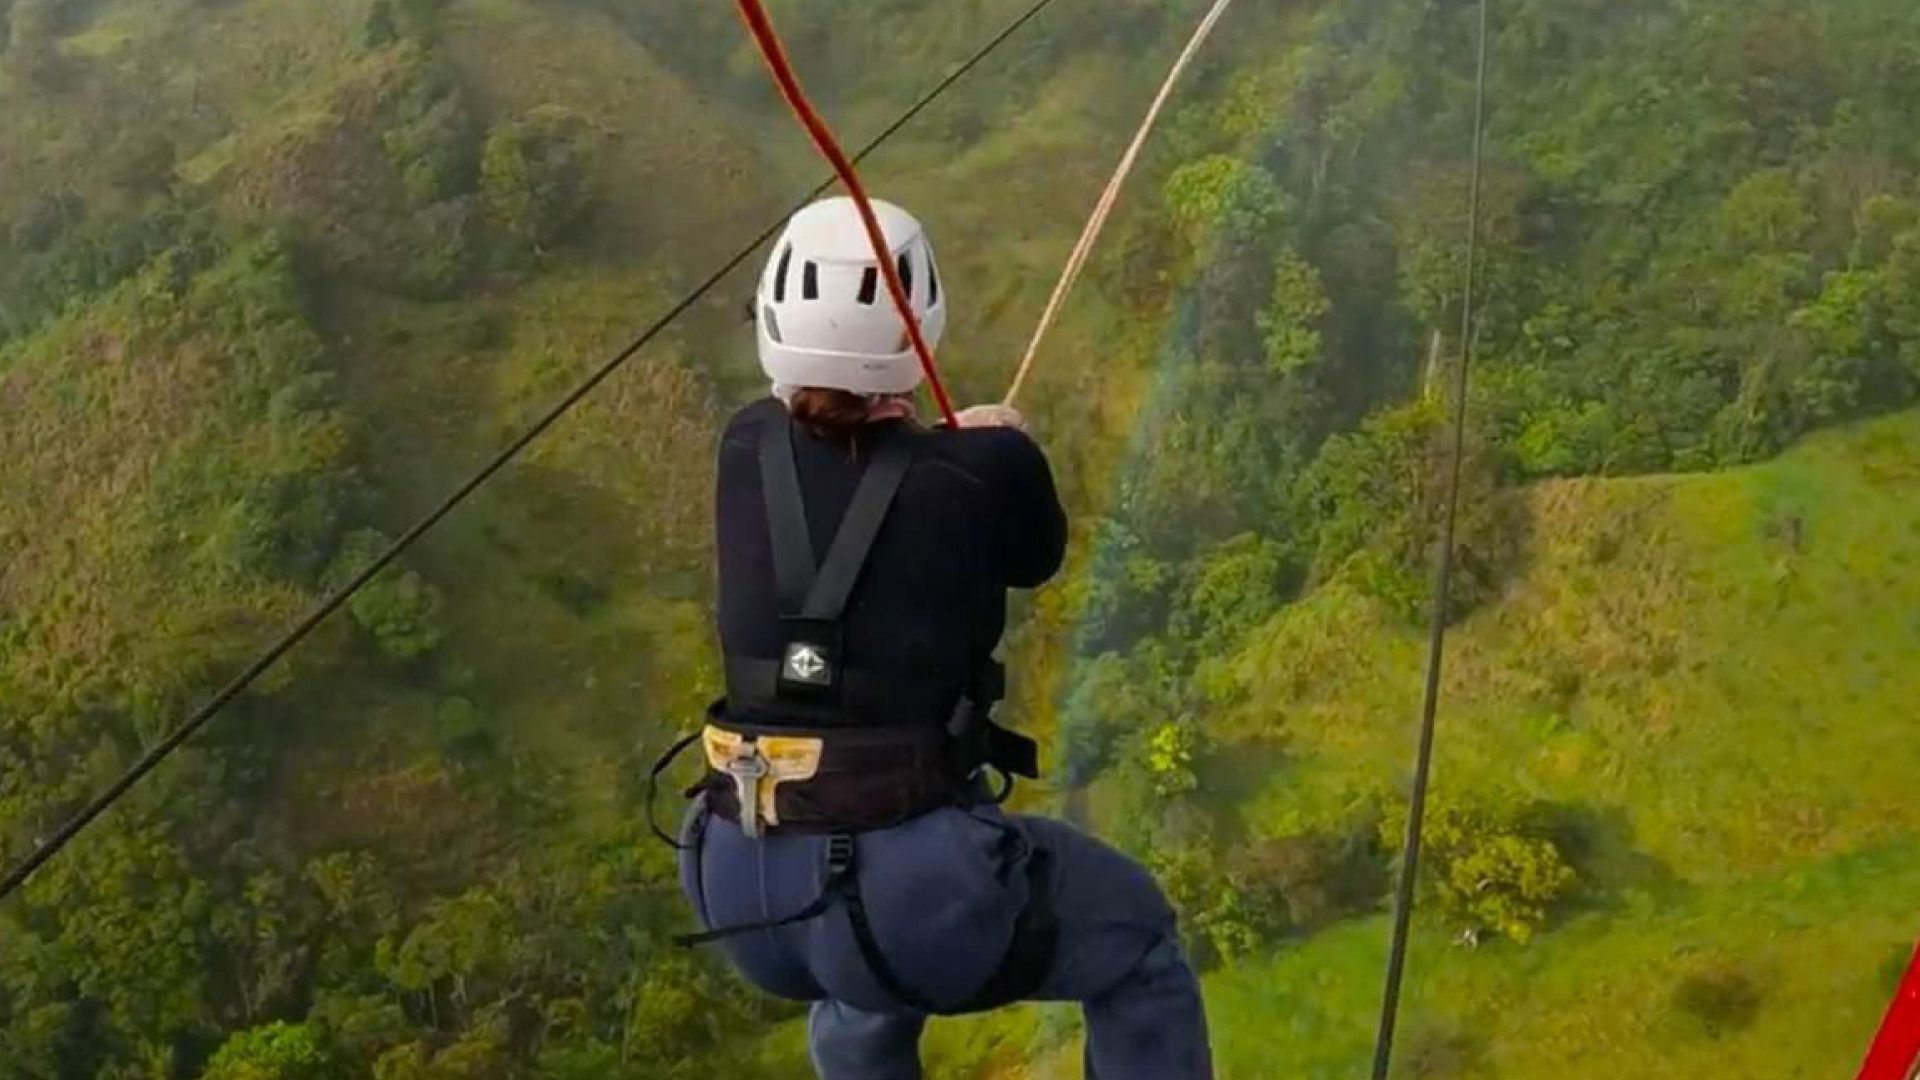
<point x="275" y="275"/>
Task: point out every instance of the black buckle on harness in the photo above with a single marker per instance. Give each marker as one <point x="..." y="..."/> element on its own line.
<point x="1011" y="752"/>
<point x="980" y="741"/>
<point x="840" y="857"/>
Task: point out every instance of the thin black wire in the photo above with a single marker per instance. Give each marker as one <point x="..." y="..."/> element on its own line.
<point x="1403" y="899"/>
<point x="52" y="845"/>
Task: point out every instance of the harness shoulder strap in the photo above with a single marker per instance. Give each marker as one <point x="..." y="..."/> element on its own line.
<point x="853" y="543"/>
<point x="793" y="565"/>
<point x="821" y="593"/>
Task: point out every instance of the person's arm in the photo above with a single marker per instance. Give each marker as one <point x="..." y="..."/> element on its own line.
<point x="1033" y="524"/>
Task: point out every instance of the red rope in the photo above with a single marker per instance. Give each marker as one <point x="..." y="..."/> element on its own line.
<point x="764" y="35"/>
<point x="1896" y="1050"/>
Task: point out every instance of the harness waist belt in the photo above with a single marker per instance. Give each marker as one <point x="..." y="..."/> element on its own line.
<point x="828" y="780"/>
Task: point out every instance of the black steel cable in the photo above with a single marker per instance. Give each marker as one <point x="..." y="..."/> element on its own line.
<point x="53" y="844"/>
<point x="1403" y="899"/>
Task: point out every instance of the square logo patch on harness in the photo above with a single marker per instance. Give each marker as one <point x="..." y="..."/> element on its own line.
<point x="808" y="664"/>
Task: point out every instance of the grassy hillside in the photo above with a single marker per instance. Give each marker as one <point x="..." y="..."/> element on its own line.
<point x="1705" y="675"/>
<point x="181" y="496"/>
<point x="1668" y="644"/>
<point x="1708" y="693"/>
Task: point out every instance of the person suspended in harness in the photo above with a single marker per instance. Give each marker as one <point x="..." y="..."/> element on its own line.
<point x="847" y="846"/>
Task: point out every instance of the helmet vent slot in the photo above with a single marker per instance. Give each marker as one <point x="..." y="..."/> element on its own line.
<point x="810" y="281"/>
<point x="870" y="286"/>
<point x="780" y="275"/>
<point x="773" y="325"/>
<point x="906" y="275"/>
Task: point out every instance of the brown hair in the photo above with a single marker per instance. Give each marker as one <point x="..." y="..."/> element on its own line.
<point x="833" y="416"/>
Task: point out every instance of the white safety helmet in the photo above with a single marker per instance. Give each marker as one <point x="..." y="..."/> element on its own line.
<point x="825" y="317"/>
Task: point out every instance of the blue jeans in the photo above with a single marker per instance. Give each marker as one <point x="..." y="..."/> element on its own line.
<point x="943" y="894"/>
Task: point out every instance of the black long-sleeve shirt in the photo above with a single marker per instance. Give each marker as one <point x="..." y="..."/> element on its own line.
<point x="976" y="515"/>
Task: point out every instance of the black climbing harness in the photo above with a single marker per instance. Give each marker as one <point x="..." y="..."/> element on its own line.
<point x="871" y="748"/>
<point x="854" y="747"/>
<point x="865" y="748"/>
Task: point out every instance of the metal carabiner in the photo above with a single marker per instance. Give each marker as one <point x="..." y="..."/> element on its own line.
<point x="748" y="767"/>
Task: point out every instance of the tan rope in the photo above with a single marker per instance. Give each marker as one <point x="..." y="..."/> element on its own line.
<point x="1084" y="249"/>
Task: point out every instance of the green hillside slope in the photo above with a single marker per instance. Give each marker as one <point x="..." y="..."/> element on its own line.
<point x="1710" y="680"/>
<point x="1707" y="681"/>
<point x="1670" y="643"/>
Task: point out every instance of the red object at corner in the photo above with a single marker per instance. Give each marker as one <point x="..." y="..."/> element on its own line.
<point x="1895" y="1054"/>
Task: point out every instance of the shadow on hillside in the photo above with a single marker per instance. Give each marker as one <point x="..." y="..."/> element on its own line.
<point x="1599" y="843"/>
